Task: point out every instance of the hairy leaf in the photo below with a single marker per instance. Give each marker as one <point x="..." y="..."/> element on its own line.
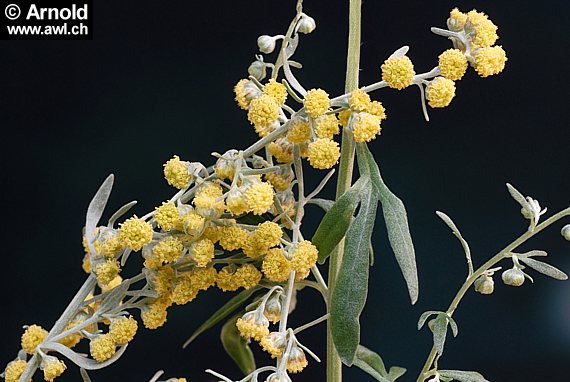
<point x="227" y="309"/>
<point x="336" y="221"/>
<point x="425" y="316"/>
<point x="120" y="212"/>
<point x="463" y="376"/>
<point x="453" y="325"/>
<point x="324" y="204"/>
<point x="440" y="332"/>
<point x="396" y="220"/>
<point x="517" y="196"/>
<point x="96" y="208"/>
<point x="83" y="362"/>
<point x="396" y="372"/>
<point x="237" y="347"/>
<point x="533" y="253"/>
<point x="544" y="268"/>
<point x="349" y="295"/>
<point x="447" y="220"/>
<point x="371" y="363"/>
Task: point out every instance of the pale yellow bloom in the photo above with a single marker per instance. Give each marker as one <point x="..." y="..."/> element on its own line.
<point x="323" y="153"/>
<point x="452" y="64"/>
<point x="316" y="102"/>
<point x="176" y="173"/>
<point x="398" y="72"/>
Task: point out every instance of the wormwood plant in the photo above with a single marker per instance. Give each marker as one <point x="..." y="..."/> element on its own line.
<point x="237" y="225"/>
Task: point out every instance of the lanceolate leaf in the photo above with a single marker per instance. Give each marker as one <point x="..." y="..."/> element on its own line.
<point x="349" y="295"/>
<point x="371" y="362"/>
<point x="237" y="347"/>
<point x="544" y="268"/>
<point x="120" y="212"/>
<point x="440" y="332"/>
<point x="425" y="316"/>
<point x="336" y="221"/>
<point x="79" y="360"/>
<point x="396" y="220"/>
<point x="96" y="208"/>
<point x="463" y="376"/>
<point x="228" y="308"/>
<point x="396" y="372"/>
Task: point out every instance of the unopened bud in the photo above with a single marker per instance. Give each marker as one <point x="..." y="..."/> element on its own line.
<point x="513" y="277"/>
<point x="306" y="24"/>
<point x="484" y="284"/>
<point x="566" y="232"/>
<point x="266" y="43"/>
<point x="258" y="70"/>
<point x="273" y="309"/>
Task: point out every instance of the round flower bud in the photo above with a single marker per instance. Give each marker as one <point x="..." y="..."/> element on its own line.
<point x="253" y="325"/>
<point x="273" y="309"/>
<point x="266" y="43"/>
<point x="513" y="277"/>
<point x="484" y="284"/>
<point x="14" y="370"/>
<point x="274" y="343"/>
<point x="278" y="377"/>
<point x="566" y="232"/>
<point x="257" y="69"/>
<point x="297" y="360"/>
<point x="306" y="24"/>
<point x="52" y="368"/>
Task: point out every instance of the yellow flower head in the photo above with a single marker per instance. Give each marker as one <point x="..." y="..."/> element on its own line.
<point x="300" y="131"/>
<point x="226" y="280"/>
<point x="123" y="330"/>
<point x="275" y="266"/>
<point x="259" y="197"/>
<point x="358" y="100"/>
<point x="376" y="108"/>
<point x="184" y="291"/>
<point x="233" y="237"/>
<point x="202" y="251"/>
<point x="167" y="216"/>
<point x="439" y="92"/>
<point x="135" y="233"/>
<point x="190" y="221"/>
<point x="398" y="72"/>
<point x="481" y="30"/>
<point x="213" y="233"/>
<point x="225" y="166"/>
<point x="456" y="20"/>
<point x="280" y="180"/>
<point x="111" y="285"/>
<point x="452" y="64"/>
<point x="111" y="244"/>
<point x="326" y="126"/>
<point x="304" y="257"/>
<point x="203" y="278"/>
<point x="274" y="343"/>
<point x="323" y="153"/>
<point x="72" y="339"/>
<point x="52" y="368"/>
<point x="154" y="315"/>
<point x="267" y="234"/>
<point x="297" y="360"/>
<point x="263" y="112"/>
<point x="282" y="150"/>
<point x="245" y="91"/>
<point x="276" y="90"/>
<point x="316" y="102"/>
<point x="344" y="116"/>
<point x="176" y="173"/>
<point x="236" y="201"/>
<point x="490" y="61"/>
<point x="162" y="280"/>
<point x="206" y="199"/>
<point x="247" y="276"/>
<point x="253" y="325"/>
<point x="168" y="249"/>
<point x="86" y="263"/>
<point x="14" y="370"/>
<point x="365" y="127"/>
<point x="107" y="271"/>
<point x="102" y="347"/>
<point x="32" y="337"/>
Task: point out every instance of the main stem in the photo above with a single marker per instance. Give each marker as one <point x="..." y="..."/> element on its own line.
<point x="334" y="364"/>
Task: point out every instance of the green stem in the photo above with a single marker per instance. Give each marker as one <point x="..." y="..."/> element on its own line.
<point x="482" y="269"/>
<point x="334" y="364"/>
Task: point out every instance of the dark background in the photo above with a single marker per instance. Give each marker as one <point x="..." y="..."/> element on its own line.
<point x="157" y="80"/>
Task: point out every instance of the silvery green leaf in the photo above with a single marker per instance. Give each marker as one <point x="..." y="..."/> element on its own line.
<point x="349" y="295"/>
<point x="336" y="221"/>
<point x="96" y="208"/>
<point x="447" y="220"/>
<point x="425" y="316"/>
<point x="463" y="376"/>
<point x="396" y="372"/>
<point x="371" y="363"/>
<point x="534" y="253"/>
<point x="125" y="256"/>
<point x="544" y="268"/>
<point x="453" y="324"/>
<point x="324" y="204"/>
<point x="227" y="309"/>
<point x="396" y="220"/>
<point x="237" y="347"/>
<point x="84" y="375"/>
<point x="120" y="212"/>
<point x="114" y="298"/>
<point x="83" y="362"/>
<point x="517" y="196"/>
<point x="400" y="52"/>
<point x="440" y="332"/>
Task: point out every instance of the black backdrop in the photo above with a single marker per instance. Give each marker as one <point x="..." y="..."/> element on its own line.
<point x="157" y="80"/>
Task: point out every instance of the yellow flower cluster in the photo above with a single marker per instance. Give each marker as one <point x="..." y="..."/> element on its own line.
<point x="274" y="343"/>
<point x="323" y="153"/>
<point x="14" y="370"/>
<point x="107" y="271"/>
<point x="440" y="91"/>
<point x="481" y="31"/>
<point x="326" y="126"/>
<point x="102" y="347"/>
<point x="253" y="325"/>
<point x="168" y="249"/>
<point x="365" y="127"/>
<point x="52" y="368"/>
<point x="202" y="251"/>
<point x="167" y="216"/>
<point x="259" y="197"/>
<point x="359" y="100"/>
<point x="453" y="64"/>
<point x="266" y="235"/>
<point x="398" y="72"/>
<point x="280" y="180"/>
<point x="490" y="61"/>
<point x="263" y="112"/>
<point x="176" y="173"/>
<point x="297" y="360"/>
<point x="123" y="330"/>
<point x="276" y="90"/>
<point x="32" y="337"/>
<point x="316" y="102"/>
<point x="245" y="91"/>
<point x="154" y="314"/>
<point x="299" y="132"/>
<point x="208" y="200"/>
<point x="233" y="237"/>
<point x="304" y="257"/>
<point x="275" y="266"/>
<point x="135" y="233"/>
